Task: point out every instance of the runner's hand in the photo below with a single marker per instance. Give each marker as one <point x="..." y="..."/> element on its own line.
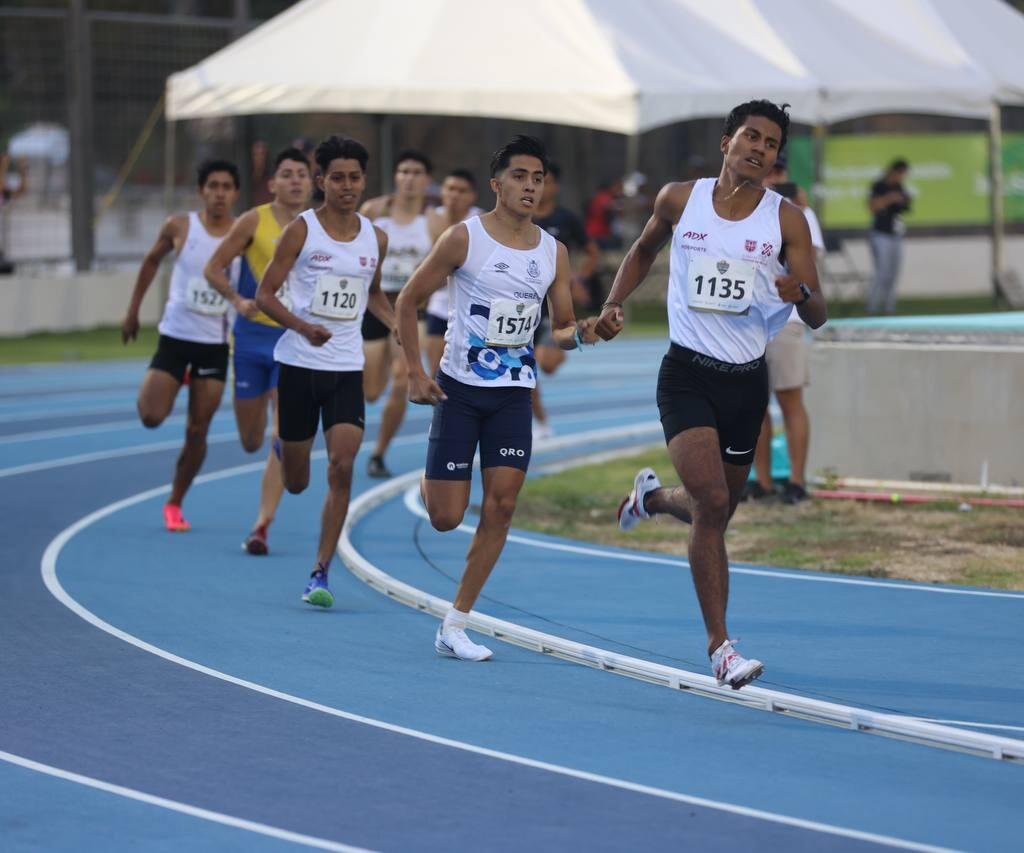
<point x="789" y="288"/>
<point x="610" y="323"/>
<point x="129" y="328"/>
<point x="424" y="390"/>
<point x="316" y="334"/>
<point x="588" y="330"/>
<point x="246" y="307"/>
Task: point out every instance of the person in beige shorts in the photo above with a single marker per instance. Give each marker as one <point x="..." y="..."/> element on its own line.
<point x="789" y="373"/>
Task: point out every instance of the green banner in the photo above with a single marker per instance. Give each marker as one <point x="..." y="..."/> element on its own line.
<point x="948" y="176"/>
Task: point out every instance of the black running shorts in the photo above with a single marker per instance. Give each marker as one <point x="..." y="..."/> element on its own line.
<point x="204" y="361"/>
<point x="499" y="420"/>
<point x="695" y="390"/>
<point x="374" y="329"/>
<point x="306" y="397"/>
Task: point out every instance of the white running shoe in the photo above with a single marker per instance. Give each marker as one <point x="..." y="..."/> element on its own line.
<point x="730" y="667"/>
<point x="454" y="643"/>
<point x="631" y="510"/>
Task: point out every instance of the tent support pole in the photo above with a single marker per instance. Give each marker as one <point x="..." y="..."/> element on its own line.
<point x="385" y="154"/>
<point x="632" y="153"/>
<point x="818" y="137"/>
<point x="995" y="167"/>
<point x="170" y="158"/>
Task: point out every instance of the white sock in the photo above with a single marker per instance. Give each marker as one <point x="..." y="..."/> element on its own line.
<point x="455" y="620"/>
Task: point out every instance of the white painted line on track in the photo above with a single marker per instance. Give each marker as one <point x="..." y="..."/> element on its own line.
<point x="413" y="504"/>
<point x="220" y="438"/>
<point x="48" y="568"/>
<point x="183" y="808"/>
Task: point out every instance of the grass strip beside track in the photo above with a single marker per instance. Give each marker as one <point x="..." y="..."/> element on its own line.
<point x="102" y="344"/>
<point x="931" y="543"/>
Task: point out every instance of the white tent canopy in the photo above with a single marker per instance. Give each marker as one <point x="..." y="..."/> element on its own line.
<point x="612" y="65"/>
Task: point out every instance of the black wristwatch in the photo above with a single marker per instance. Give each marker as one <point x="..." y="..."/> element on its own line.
<point x="806" y="291"/>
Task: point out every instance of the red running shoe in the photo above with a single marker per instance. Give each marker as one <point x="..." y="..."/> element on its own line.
<point x="174" y="521"/>
<point x="256" y="543"/>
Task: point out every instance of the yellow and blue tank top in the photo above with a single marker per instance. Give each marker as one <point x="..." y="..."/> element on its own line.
<point x="255" y="260"/>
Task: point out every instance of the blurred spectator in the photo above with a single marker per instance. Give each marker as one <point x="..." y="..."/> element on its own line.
<point x="888" y="201"/>
<point x="13" y="183"/>
<point x="262" y="172"/>
<point x="603" y="214"/>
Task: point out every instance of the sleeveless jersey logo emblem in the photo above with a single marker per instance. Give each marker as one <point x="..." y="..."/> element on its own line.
<point x="750" y="245"/>
<point x="343" y="284"/>
<point x="501" y="266"/>
<point x="532" y="269"/>
<point x="694" y="235"/>
<point x="519" y="308"/>
<point x="319" y="257"/>
<point x="722" y="267"/>
<point x="362" y="261"/>
<point x="766" y="250"/>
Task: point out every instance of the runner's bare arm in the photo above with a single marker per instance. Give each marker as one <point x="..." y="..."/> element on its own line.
<point x="448" y="254"/>
<point x="564" y="324"/>
<point x="236" y="242"/>
<point x="374" y="208"/>
<point x="668" y="207"/>
<point x="288" y="247"/>
<point x="172" y="229"/>
<point x="377" y="303"/>
<point x="796" y="237"/>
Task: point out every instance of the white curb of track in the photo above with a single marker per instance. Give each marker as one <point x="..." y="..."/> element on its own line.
<point x="759" y="698"/>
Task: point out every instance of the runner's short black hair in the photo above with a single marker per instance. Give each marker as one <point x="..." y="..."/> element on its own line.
<point x="291" y="154"/>
<point x="899" y="165"/>
<point x="463" y="174"/>
<point x="416" y="156"/>
<point x="340" y="148"/>
<point x="774" y="112"/>
<point x="210" y="166"/>
<point x="518" y="144"/>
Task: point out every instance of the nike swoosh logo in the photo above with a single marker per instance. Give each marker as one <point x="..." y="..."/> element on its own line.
<point x="732" y="452"/>
<point x="206" y="372"/>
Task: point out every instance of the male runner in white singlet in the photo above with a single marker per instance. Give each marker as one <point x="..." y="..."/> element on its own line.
<point x="458" y="202"/>
<point x="334" y="257"/>
<point x="193" y="329"/>
<point x="402" y="217"/>
<point x="499" y="267"/>
<point x="728" y="296"/>
<point x="254" y="237"/>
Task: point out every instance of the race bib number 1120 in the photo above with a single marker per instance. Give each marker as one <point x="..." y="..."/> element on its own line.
<point x="338" y="297"/>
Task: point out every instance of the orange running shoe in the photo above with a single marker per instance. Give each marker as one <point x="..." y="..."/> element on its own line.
<point x="173" y="519"/>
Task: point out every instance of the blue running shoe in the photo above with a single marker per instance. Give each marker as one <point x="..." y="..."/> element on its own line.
<point x="317" y="592"/>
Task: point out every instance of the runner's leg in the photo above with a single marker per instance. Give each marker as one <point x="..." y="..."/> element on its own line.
<point x="204" y="398"/>
<point x="343" y="440"/>
<point x="156" y="397"/>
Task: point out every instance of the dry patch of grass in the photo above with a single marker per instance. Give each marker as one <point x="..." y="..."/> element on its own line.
<point x="934" y="543"/>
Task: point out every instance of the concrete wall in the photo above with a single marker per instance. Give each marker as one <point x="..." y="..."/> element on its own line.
<point x="899" y="411"/>
<point x="61" y="303"/>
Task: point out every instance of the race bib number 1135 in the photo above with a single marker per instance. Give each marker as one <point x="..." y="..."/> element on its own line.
<point x="720" y="285"/>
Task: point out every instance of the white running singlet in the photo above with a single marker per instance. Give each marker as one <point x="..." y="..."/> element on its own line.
<point x="722" y="299"/>
<point x="496" y="297"/>
<point x="329" y="286"/>
<point x="439" y="302"/>
<point x="408" y="245"/>
<point x="195" y="311"/>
